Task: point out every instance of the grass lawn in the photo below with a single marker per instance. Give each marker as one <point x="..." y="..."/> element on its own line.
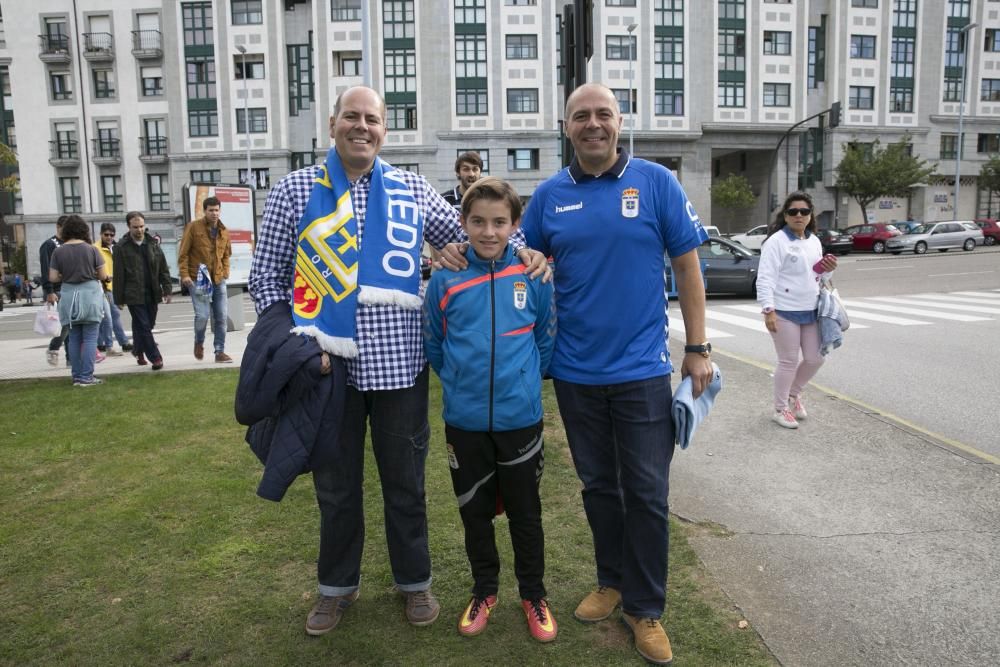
<point x="131" y="535"/>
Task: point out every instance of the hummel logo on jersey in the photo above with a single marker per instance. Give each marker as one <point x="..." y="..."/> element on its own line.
<point x="569" y="207"/>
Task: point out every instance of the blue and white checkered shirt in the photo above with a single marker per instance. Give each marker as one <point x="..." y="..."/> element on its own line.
<point x="389" y="338"/>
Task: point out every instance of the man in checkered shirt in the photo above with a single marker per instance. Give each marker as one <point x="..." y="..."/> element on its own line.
<point x="387" y="382"/>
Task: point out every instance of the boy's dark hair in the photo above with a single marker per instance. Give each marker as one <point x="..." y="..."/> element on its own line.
<point x="210" y="201"/>
<point x="133" y="214"/>
<point x="492" y="188"/>
<point x="107" y="227"/>
<point x="469" y="157"/>
<point x="61" y="220"/>
<point x="75" y="228"/>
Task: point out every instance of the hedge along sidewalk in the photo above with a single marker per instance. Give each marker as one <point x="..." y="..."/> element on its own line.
<point x="131" y="534"/>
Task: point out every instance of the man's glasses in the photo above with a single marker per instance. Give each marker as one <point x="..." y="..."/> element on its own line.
<point x="798" y="211"/>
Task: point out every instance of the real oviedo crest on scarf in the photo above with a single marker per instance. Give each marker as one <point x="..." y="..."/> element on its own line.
<point x="327" y="264"/>
<point x="630" y="203"/>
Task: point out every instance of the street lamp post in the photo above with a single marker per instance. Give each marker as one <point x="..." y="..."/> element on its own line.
<point x="963" y="36"/>
<point x="631" y="114"/>
<point x="246" y="114"/>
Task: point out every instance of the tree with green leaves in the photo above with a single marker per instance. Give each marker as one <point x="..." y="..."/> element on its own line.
<point x="733" y="191"/>
<point x="10" y="182"/>
<point x="989" y="180"/>
<point x="869" y="171"/>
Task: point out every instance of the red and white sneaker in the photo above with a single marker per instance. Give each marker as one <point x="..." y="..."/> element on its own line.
<point x="99" y="357"/>
<point x="476" y="615"/>
<point x="795" y="405"/>
<point x="541" y="623"/>
<point x="784" y="418"/>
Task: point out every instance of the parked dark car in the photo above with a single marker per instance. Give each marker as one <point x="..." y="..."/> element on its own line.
<point x="835" y="242"/>
<point x="872" y="236"/>
<point x="728" y="267"/>
<point x="991" y="231"/>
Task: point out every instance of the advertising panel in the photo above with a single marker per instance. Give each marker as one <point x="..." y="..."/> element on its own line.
<point x="237" y="214"/>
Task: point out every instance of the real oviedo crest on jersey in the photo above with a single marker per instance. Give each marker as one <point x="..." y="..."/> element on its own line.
<point x="630" y="203"/>
<point x="520" y="294"/>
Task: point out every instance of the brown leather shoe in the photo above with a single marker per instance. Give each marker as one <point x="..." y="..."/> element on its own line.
<point x="422" y="607"/>
<point x="199" y="351"/>
<point x="327" y="612"/>
<point x="651" y="640"/>
<point x="223" y="358"/>
<point x="598" y="605"/>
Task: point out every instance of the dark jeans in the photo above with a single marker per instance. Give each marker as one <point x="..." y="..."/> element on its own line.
<point x="143" y="322"/>
<point x="504" y="465"/>
<point x="621" y="437"/>
<point x="399" y="433"/>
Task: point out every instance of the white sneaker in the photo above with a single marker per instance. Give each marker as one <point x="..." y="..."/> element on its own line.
<point x="52" y="356"/>
<point x="114" y="351"/>
<point x="784" y="418"/>
<point x="795" y="405"/>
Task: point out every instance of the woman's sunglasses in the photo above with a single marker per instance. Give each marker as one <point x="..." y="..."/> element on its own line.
<point x="798" y="211"/>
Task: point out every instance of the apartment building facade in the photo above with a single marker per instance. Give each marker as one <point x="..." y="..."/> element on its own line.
<point x="115" y="105"/>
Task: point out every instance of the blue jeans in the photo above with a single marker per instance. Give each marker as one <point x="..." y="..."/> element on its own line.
<point x="213" y="307"/>
<point x="400" y="434"/>
<point x="81" y="346"/>
<point x="621" y="437"/>
<point x="112" y="323"/>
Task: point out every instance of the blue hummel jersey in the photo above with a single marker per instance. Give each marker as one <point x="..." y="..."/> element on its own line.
<point x="608" y="236"/>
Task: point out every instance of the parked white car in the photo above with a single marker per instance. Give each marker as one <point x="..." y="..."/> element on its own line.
<point x="752" y="239"/>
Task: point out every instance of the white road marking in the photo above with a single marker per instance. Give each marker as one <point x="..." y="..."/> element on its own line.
<point x="677" y="324"/>
<point x="966" y="273"/>
<point x="887" y="268"/>
<point x="937" y="304"/>
<point x="850" y="303"/>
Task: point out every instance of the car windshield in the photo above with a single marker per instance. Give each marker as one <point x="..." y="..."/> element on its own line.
<point x="921" y="229"/>
<point x="831" y="233"/>
<point x="891" y="228"/>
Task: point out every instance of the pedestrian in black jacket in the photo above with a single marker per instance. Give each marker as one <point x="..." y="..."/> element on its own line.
<point x="50" y="290"/>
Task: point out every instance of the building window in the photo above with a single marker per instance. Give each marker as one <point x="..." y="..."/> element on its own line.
<point x="952" y="88"/>
<point x="200" y="77"/>
<point x="347" y="63"/>
<point x="66" y="147"/>
<point x="903" y="56"/>
<point x="104" y="83"/>
<point x="992" y="41"/>
<point x="519" y="3"/>
<point x="619" y="47"/>
<point x="863" y="46"/>
<point x="111" y="190"/>
<point x="777" y="43"/>
<point x="522" y="47"/>
<point x="60" y="83"/>
<point x="990" y="90"/>
<point x="816" y="56"/>
<point x="397" y="19"/>
<point x="668" y="55"/>
<point x="152" y="81"/>
<point x="622" y="97"/>
<point x="206" y="176"/>
<point x="253" y="69"/>
<point x="522" y="100"/>
<point x="400" y="71"/>
<point x="203" y="123"/>
<point x="401" y="116"/>
<point x="300" y="77"/>
<point x="870" y="4"/>
<point x="954" y="48"/>
<point x="197" y="20"/>
<point x="904" y="14"/>
<point x="522" y="159"/>
<point x="732" y="50"/>
<point x="861" y="97"/>
<point x="619" y="3"/>
<point x="470" y="11"/>
<point x="107" y="143"/>
<point x="470" y="102"/>
<point x="732" y="9"/>
<point x="988" y="143"/>
<point x="70" y="189"/>
<point x="484" y="155"/>
<point x="258" y="120"/>
<point x="949" y="146"/>
<point x="669" y="103"/>
<point x="777" y="94"/>
<point x="669" y="12"/>
<point x="731" y="94"/>
<point x="247" y="12"/>
<point x="261" y="178"/>
<point x="159" y="192"/>
<point x="345" y="10"/>
<point x="901" y="99"/>
<point x="470" y="56"/>
<point x="958" y="9"/>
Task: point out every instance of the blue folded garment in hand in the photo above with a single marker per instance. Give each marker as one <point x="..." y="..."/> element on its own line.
<point x="688" y="411"/>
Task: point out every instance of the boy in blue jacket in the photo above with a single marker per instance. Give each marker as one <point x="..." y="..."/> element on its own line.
<point x="489" y="333"/>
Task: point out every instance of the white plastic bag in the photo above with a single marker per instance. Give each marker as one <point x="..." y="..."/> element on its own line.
<point x="47" y="321"/>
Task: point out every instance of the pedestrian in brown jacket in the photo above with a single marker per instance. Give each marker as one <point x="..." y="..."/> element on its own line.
<point x="203" y="262"/>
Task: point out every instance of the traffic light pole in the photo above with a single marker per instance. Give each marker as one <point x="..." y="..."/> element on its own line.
<point x="834" y="112"/>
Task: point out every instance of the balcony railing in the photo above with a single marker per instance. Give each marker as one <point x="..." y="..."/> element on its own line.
<point x="147" y="44"/>
<point x="98" y="46"/>
<point x="54" y="48"/>
<point x="107" y="151"/>
<point x="64" y="153"/>
<point x="153" y="149"/>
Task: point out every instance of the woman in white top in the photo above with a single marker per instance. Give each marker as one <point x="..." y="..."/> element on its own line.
<point x="791" y="263"/>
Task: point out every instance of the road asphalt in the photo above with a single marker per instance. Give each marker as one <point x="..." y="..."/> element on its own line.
<point x="855" y="540"/>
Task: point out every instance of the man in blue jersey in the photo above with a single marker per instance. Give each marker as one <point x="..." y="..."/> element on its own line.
<point x="607" y="220"/>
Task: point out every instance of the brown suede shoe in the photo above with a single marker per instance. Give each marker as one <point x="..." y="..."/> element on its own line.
<point x="422" y="607"/>
<point x="598" y="605"/>
<point x="199" y="351"/>
<point x="651" y="640"/>
<point x="223" y="358"/>
<point x="327" y="612"/>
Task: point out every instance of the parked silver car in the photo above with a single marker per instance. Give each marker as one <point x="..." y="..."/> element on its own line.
<point x="940" y="236"/>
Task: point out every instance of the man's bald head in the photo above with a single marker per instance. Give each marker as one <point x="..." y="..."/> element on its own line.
<point x="586" y="90"/>
<point x="356" y="90"/>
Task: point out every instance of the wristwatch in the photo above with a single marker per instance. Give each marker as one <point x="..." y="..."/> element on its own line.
<point x="704" y="349"/>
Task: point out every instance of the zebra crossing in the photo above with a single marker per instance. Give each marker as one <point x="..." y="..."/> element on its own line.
<point x="909" y="310"/>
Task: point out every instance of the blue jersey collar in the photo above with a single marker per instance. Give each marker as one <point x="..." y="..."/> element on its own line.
<point x="790" y="234"/>
<point x="617" y="169"/>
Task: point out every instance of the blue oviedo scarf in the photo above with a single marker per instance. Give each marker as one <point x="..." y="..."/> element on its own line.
<point x="333" y="273"/>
